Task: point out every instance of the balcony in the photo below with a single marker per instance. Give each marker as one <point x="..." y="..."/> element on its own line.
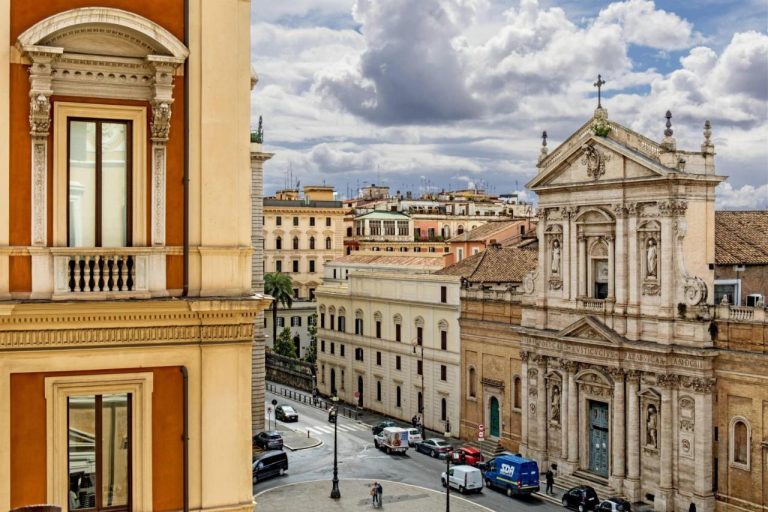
<point x="96" y="273"/>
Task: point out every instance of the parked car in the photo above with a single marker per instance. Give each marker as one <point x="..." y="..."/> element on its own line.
<point x="512" y="473"/>
<point x="377" y="428"/>
<point x="464" y="478"/>
<point x="414" y="436"/>
<point x="468" y="455"/>
<point x="581" y="498"/>
<point x="434" y="447"/>
<point x="270" y="440"/>
<point x="286" y="413"/>
<point x="615" y="505"/>
<point x="269" y="464"/>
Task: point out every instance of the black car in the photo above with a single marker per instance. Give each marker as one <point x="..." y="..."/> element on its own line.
<point x="269" y="464"/>
<point x="434" y="447"/>
<point x="615" y="505"/>
<point x="286" y="413"/>
<point x="377" y="428"/>
<point x="270" y="440"/>
<point x="581" y="498"/>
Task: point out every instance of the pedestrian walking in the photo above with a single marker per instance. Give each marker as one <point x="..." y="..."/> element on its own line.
<point x="550" y="478"/>
<point x="414" y="421"/>
<point x="379" y="494"/>
<point x="374" y="494"/>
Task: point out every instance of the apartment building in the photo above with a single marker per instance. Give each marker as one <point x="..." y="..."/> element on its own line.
<point x="388" y="337"/>
<point x="126" y="305"/>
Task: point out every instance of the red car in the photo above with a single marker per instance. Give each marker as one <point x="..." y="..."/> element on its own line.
<point x="468" y="455"/>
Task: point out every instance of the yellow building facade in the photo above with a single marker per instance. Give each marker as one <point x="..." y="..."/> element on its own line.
<point x="126" y="304"/>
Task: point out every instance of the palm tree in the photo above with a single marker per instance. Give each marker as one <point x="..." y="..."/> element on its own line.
<point x="280" y="287"/>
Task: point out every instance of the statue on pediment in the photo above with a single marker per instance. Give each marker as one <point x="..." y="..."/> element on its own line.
<point x="556" y="257"/>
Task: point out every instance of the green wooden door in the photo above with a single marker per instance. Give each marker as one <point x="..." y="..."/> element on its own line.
<point x="495" y="423"/>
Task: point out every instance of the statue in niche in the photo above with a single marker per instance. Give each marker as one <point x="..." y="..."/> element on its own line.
<point x="556" y="257"/>
<point x="651" y="257"/>
<point x="651" y="425"/>
<point x="555" y="405"/>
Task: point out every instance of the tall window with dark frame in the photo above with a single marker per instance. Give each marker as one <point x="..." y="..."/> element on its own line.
<point x="311" y="266"/>
<point x="322" y="320"/>
<point x="295" y="243"/>
<point x="278" y="243"/>
<point x="295" y="266"/>
<point x="278" y="266"/>
<point x="312" y="221"/>
<point x="278" y="221"/>
<point x="443" y="340"/>
<point x="443" y="294"/>
<point x="333" y="317"/>
<point x="99" y="183"/>
<point x="312" y="242"/>
<point x="398" y="363"/>
<point x="378" y="328"/>
<point x="378" y="358"/>
<point x="398" y="332"/>
<point x="99" y="452"/>
<point x="419" y="367"/>
<point x="328" y="222"/>
<point x="328" y="243"/>
<point x="359" y="326"/>
<point x="420" y="335"/>
<point x="443" y="372"/>
<point x="295" y="221"/>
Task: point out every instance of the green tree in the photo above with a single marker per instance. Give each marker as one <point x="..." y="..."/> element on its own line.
<point x="280" y="287"/>
<point x="284" y="344"/>
<point x="311" y="354"/>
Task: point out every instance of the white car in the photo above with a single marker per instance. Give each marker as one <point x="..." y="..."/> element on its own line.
<point x="464" y="478"/>
<point x="414" y="436"/>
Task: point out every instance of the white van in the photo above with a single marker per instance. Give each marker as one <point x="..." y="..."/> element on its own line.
<point x="464" y="478"/>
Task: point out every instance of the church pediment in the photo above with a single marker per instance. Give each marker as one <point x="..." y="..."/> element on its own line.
<point x="586" y="158"/>
<point x="590" y="328"/>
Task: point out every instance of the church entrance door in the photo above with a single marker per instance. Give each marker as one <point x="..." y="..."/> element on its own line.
<point x="598" y="438"/>
<point x="495" y="427"/>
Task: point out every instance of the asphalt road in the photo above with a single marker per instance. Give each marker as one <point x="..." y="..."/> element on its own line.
<point x="359" y="459"/>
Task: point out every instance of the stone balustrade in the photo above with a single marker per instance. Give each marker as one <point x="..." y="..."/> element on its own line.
<point x="741" y="313"/>
<point x="100" y="273"/>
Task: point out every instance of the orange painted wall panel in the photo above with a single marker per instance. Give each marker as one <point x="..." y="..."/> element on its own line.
<point x="174" y="184"/>
<point x="28" y="436"/>
<point x="167" y="13"/>
<point x="20" y="268"/>
<point x="174" y="272"/>
<point x="20" y="159"/>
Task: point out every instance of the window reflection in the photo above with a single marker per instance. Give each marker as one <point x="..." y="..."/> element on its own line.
<point x="99" y="452"/>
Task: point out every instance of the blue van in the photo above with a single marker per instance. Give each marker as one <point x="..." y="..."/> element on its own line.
<point x="512" y="473"/>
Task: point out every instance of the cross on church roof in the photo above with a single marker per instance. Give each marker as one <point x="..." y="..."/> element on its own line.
<point x="599" y="84"/>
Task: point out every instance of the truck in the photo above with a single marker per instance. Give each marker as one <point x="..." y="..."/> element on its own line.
<point x="512" y="473"/>
<point x="392" y="440"/>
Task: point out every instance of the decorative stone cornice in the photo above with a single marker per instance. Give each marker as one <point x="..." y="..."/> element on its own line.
<point x="672" y="207"/>
<point x="494" y="383"/>
<point x="569" y="366"/>
<point x="633" y="376"/>
<point x="668" y="381"/>
<point x="524" y="355"/>
<point x="698" y="384"/>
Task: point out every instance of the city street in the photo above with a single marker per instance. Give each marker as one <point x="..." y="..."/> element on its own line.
<point x="359" y="459"/>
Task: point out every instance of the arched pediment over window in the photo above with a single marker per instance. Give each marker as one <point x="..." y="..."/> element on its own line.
<point x="104" y="31"/>
<point x="594" y="215"/>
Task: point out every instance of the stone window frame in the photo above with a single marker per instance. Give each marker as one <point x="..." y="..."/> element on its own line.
<point x="57" y="391"/>
<point x="732" y="462"/>
<point x="517" y="384"/>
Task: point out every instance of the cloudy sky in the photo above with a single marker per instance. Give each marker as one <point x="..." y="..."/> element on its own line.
<point x="436" y="94"/>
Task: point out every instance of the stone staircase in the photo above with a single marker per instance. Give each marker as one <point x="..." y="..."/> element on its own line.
<point x="487" y="447"/>
<point x="600" y="485"/>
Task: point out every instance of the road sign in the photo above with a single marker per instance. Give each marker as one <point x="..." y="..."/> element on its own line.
<point x="274" y="401"/>
<point x="480" y="432"/>
<point x="269" y="409"/>
<point x="357" y="394"/>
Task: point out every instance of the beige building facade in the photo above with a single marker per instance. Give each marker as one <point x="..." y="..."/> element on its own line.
<point x="126" y="303"/>
<point x="388" y="337"/>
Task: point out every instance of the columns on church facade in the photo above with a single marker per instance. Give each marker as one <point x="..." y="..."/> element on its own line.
<point x="541" y="406"/>
<point x="620" y="275"/>
<point x="564" y="416"/>
<point x="617" y="429"/>
<point x="632" y="482"/>
<point x="573" y="415"/>
<point x="524" y="356"/>
<point x="582" y="270"/>
<point x="702" y="483"/>
<point x="611" y="267"/>
<point x="665" y="499"/>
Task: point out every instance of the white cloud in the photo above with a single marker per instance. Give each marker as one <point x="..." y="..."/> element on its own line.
<point x="747" y="197"/>
<point x="458" y="88"/>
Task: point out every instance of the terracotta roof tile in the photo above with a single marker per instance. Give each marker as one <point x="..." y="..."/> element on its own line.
<point x="741" y="237"/>
<point x="484" y="231"/>
<point x="494" y="265"/>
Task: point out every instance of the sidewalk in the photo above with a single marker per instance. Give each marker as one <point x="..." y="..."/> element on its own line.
<point x="398" y="497"/>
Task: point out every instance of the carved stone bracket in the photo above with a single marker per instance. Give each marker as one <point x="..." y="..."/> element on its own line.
<point x="524" y="355"/>
<point x="698" y="384"/>
<point x="673" y="207"/>
<point x="668" y="381"/>
<point x="40" y="90"/>
<point x="651" y="287"/>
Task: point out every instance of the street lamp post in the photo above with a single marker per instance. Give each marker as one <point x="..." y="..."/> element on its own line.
<point x="448" y="456"/>
<point x="335" y="492"/>
<point x="422" y="407"/>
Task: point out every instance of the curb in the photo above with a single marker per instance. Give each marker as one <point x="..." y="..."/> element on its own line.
<point x="547" y="497"/>
<point x="319" y="443"/>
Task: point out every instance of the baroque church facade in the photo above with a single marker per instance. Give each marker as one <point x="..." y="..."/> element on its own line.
<point x="618" y="338"/>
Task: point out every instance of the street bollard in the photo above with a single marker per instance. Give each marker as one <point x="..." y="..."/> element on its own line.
<point x="307" y="433"/>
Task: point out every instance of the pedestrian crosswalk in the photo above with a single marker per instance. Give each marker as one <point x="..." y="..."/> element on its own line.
<point x="343" y="427"/>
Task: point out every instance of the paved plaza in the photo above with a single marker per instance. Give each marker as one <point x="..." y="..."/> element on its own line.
<point x="355" y="496"/>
